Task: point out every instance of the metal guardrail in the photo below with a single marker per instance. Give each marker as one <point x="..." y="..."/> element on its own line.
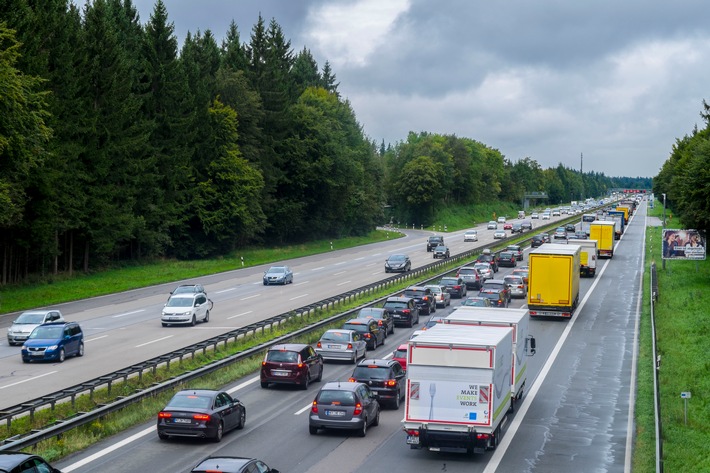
<point x="657" y="361"/>
<point x="70" y="394"/>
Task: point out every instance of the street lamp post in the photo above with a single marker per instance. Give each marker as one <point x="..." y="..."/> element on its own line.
<point x="664" y="226"/>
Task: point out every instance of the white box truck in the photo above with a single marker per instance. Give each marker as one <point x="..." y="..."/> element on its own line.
<point x="458" y="388"/>
<point x="587" y="257"/>
<point x="523" y="342"/>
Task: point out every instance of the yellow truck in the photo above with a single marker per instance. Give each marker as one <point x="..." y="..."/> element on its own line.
<point x="625" y="209"/>
<point x="604" y="231"/>
<point x="553" y="280"/>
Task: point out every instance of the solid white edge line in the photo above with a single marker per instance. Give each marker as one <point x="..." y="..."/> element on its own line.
<point x="28" y="379"/>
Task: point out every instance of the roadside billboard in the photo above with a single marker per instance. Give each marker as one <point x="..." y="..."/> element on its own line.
<point x="683" y="244"/>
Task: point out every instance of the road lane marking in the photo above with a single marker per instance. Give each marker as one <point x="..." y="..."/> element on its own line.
<point x="360" y="258"/>
<point x="249" y="297"/>
<point x="318" y="269"/>
<point x="344" y="282"/>
<point x="226" y="290"/>
<point x="154" y="341"/>
<point x="95" y="338"/>
<point x="301" y="411"/>
<point x="28" y="379"/>
<point x="342" y="262"/>
<point x="128" y="313"/>
<point x="239" y="315"/>
<point x="338" y="274"/>
<point x="298" y="297"/>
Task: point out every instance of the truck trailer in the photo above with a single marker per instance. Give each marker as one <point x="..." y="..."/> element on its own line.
<point x="458" y="388"/>
<point x="523" y="342"/>
<point x="619" y="222"/>
<point x="587" y="257"/>
<point x="553" y="280"/>
<point x="603" y="232"/>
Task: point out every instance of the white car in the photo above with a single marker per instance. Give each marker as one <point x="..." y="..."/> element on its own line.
<point x="186" y="309"/>
<point x="534" y="215"/>
<point x="546" y="216"/>
<point x="471" y="235"/>
<point x="501" y="219"/>
<point x="492" y="225"/>
<point x="341" y="344"/>
<point x="485" y="270"/>
<point x="499" y="234"/>
<point x="23" y="325"/>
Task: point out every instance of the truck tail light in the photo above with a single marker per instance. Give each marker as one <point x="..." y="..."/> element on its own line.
<point x="412" y="432"/>
<point x="482" y="436"/>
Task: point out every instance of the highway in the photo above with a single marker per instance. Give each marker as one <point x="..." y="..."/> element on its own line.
<point x="576" y="415"/>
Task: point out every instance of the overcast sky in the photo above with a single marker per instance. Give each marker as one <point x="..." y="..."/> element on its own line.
<point x="615" y="81"/>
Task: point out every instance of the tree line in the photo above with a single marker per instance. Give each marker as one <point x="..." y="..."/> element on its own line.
<point x="685" y="177"/>
<point x="118" y="145"/>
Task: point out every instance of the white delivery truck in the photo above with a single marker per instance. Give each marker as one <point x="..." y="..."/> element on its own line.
<point x="587" y="257"/>
<point x="458" y="388"/>
<point x="523" y="342"/>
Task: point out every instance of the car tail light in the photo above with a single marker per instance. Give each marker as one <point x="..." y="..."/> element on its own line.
<point x="352" y="380"/>
<point x="164" y="415"/>
<point x="367" y="335"/>
<point x="350" y="346"/>
<point x="358" y="409"/>
<point x="406" y="311"/>
<point x="390" y="383"/>
<point x="379" y="322"/>
<point x="314" y="408"/>
<point x="204" y="417"/>
<point x="318" y="345"/>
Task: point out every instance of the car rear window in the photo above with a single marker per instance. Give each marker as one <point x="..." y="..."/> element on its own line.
<point x="493" y="286"/>
<point x="450" y="281"/>
<point x="368" y="372"/>
<point x="282" y="356"/>
<point x="336" y="398"/>
<point x="336" y="336"/>
<point x="190" y="401"/>
<point x="513" y="279"/>
<point x="396" y="305"/>
<point x="357" y="327"/>
<point x="467" y="271"/>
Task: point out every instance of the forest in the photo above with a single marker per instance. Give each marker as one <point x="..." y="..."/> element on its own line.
<point x="118" y="144"/>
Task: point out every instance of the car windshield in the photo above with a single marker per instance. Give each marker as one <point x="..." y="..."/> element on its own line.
<point x="190" y="401"/>
<point x="368" y="372"/>
<point x="440" y="248"/>
<point x="506" y="255"/>
<point x="395" y="305"/>
<point x="490" y="294"/>
<point x="370" y="312"/>
<point x="276" y="270"/>
<point x="282" y="356"/>
<point x="47" y="332"/>
<point x="180" y="302"/>
<point x="336" y="337"/>
<point x="400" y="353"/>
<point x="397" y="258"/>
<point x="336" y="398"/>
<point x="30" y="318"/>
<point x="493" y="286"/>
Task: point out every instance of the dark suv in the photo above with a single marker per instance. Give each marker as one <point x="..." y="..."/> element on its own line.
<point x="385" y="377"/>
<point x="489" y="257"/>
<point x="381" y="316"/>
<point x="434" y="241"/>
<point x="403" y="309"/>
<point x="536" y="241"/>
<point x="498" y="285"/>
<point x="423" y="297"/>
<point x="291" y="363"/>
<point x="368" y="329"/>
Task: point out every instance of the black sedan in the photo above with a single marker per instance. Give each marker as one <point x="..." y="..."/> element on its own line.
<point x="397" y="263"/>
<point x="228" y="464"/>
<point x="201" y="413"/>
<point x="24" y="462"/>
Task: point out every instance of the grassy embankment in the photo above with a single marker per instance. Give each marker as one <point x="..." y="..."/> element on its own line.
<point x="682" y="327"/>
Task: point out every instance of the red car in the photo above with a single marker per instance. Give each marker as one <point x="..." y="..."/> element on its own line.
<point x="400" y="354"/>
<point x="507" y="226"/>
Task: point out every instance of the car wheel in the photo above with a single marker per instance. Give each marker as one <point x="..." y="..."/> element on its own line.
<point x="320" y="375"/>
<point x="193" y="322"/>
<point x="242" y="419"/>
<point x="264" y="283"/>
<point x="387" y="270"/>
<point x="374" y="344"/>
<point x="353" y="359"/>
<point x="363" y="430"/>
<point x="207" y="317"/>
<point x="264" y="384"/>
<point x="163" y="436"/>
<point x="25" y="360"/>
<point x="81" y="349"/>
<point x="432" y="309"/>
<point x="220" y="432"/>
<point x="411" y="322"/>
<point x="376" y="422"/>
<point x="312" y="430"/>
<point x="62" y="355"/>
<point x="392" y="330"/>
<point x="165" y="325"/>
<point x="306" y="380"/>
<point x="397" y="401"/>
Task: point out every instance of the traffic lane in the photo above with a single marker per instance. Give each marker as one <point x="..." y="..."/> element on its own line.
<point x="580" y="419"/>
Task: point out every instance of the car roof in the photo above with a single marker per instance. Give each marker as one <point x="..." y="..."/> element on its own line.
<point x="373" y="310"/>
<point x="398" y="299"/>
<point x="220" y="463"/>
<point x="9" y="459"/>
<point x="340" y="386"/>
<point x="361" y="321"/>
<point x="416" y="288"/>
<point x="58" y="324"/>
<point x="198" y="392"/>
<point x="288" y="347"/>
<point x="494" y="281"/>
<point x="376" y="362"/>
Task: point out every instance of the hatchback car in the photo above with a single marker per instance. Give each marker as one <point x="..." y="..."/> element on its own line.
<point x="499" y="234"/>
<point x="454" y="285"/>
<point x="441" y="251"/>
<point x="526" y="225"/>
<point x="398" y="264"/>
<point x="381" y="316"/>
<point x="522" y="272"/>
<point x="545" y="216"/>
<point x="570" y="228"/>
<point x="492" y="225"/>
<point x="508" y="226"/>
<point x="441" y="296"/>
<point x="475" y="301"/>
<point x="517" y="250"/>
<point x="21" y="462"/>
<point x="507" y="259"/>
<point x="400" y="355"/>
<point x="373" y="334"/>
<point x="278" y="275"/>
<point x="54" y="341"/>
<point x="344" y="405"/>
<point x="517" y="228"/>
<point x="423" y="298"/>
<point x="403" y="309"/>
<point x="227" y="464"/>
<point x="385" y="377"/>
<point x="501" y="219"/>
<point x="560" y="234"/>
<point x="186" y="309"/>
<point x="201" y="413"/>
<point x="470" y="276"/>
<point x="497" y="284"/>
<point x="496" y="296"/>
<point x="188" y="289"/>
<point x="535" y="215"/>
<point x="470" y="235"/>
<point x="485" y="270"/>
<point x="537" y="240"/>
<point x="488" y="257"/>
<point x="339" y="344"/>
<point x="291" y="363"/>
<point x="26" y="322"/>
<point x="517" y="286"/>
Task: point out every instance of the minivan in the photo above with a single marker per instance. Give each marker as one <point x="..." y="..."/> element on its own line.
<point x="54" y="341"/>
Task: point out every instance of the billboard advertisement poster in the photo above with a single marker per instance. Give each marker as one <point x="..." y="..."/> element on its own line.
<point x="683" y="244"/>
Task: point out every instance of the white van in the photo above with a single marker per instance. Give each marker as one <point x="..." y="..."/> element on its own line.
<point x="521" y="214"/>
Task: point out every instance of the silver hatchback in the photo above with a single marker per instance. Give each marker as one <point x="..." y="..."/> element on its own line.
<point x="344" y="405"/>
<point x="341" y="344"/>
<point x="26" y="322"/>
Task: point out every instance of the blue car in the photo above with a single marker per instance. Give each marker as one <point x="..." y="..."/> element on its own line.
<point x="54" y="341"/>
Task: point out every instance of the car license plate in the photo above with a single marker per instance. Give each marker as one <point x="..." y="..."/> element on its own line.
<point x="37" y="353"/>
<point x="335" y="413"/>
<point x="183" y="421"/>
<point x="412" y="440"/>
<point x="337" y="347"/>
<point x="280" y="373"/>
